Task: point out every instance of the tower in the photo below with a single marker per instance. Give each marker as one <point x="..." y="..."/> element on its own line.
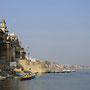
<point x="3" y="26"/>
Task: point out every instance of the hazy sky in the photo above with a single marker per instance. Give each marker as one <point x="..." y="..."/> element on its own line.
<point x="56" y="30"/>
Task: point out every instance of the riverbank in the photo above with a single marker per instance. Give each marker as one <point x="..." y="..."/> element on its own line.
<point x="79" y="80"/>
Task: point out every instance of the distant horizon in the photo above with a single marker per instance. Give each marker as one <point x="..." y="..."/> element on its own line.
<point x="58" y="31"/>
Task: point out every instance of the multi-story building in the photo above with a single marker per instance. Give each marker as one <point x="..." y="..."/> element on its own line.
<point x="4" y="45"/>
<point x="10" y="49"/>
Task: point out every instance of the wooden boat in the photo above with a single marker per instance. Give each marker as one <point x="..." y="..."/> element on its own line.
<point x="2" y="78"/>
<point x="33" y="76"/>
<point x="18" y="76"/>
<point x="26" y="77"/>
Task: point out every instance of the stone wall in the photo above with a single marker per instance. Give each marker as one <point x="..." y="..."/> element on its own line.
<point x="33" y="66"/>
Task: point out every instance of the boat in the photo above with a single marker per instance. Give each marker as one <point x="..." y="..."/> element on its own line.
<point x="2" y="78"/>
<point x="26" y="77"/>
<point x="18" y="76"/>
<point x="62" y="71"/>
<point x="33" y="76"/>
<point x="66" y="71"/>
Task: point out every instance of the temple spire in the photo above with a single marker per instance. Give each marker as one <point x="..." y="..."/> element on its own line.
<point x="3" y="25"/>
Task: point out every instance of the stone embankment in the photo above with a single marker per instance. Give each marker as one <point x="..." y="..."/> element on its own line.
<point x="33" y="66"/>
<point x="40" y="67"/>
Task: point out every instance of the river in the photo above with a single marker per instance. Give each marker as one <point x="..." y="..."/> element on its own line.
<point x="79" y="80"/>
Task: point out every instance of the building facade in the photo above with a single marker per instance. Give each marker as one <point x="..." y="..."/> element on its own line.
<point x="10" y="49"/>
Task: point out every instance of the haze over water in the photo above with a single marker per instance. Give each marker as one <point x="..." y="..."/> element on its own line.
<point x="79" y="80"/>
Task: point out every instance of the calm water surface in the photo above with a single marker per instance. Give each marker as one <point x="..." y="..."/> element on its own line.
<point x="79" y="80"/>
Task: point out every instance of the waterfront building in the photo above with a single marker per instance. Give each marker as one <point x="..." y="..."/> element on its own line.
<point x="10" y="49"/>
<point x="4" y="44"/>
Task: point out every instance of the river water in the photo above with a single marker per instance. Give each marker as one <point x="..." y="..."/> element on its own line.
<point x="79" y="80"/>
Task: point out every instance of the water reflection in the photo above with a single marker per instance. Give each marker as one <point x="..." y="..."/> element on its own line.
<point x="9" y="85"/>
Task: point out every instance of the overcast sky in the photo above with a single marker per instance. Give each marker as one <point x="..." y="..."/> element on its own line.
<point x="55" y="30"/>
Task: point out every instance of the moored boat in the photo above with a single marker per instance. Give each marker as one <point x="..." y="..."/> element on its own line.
<point x="26" y="77"/>
<point x="2" y="78"/>
<point x="66" y="71"/>
<point x="33" y="76"/>
<point x="17" y="78"/>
